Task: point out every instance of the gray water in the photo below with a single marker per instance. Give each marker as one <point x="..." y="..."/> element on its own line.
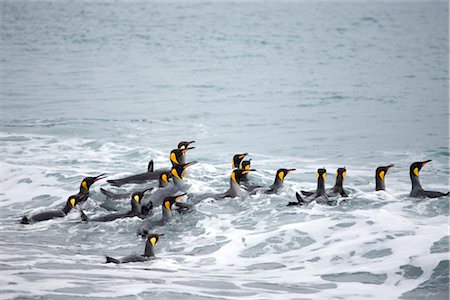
<point x="93" y="88"/>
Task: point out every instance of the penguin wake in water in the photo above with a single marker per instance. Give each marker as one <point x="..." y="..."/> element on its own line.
<point x="47" y="215"/>
<point x="163" y="181"/>
<point x="85" y="186"/>
<point x="380" y="173"/>
<point x="167" y="214"/>
<point x="150" y="242"/>
<point x="152" y="174"/>
<point x="320" y="195"/>
<point x="417" y="191"/>
<point x="277" y="185"/>
<point x="337" y="189"/>
<point x="137" y="210"/>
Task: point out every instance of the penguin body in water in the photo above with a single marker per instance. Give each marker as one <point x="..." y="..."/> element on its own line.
<point x="337" y="189"/>
<point x="235" y="181"/>
<point x="276" y="187"/>
<point x="152" y="174"/>
<point x="177" y="184"/>
<point x="417" y="191"/>
<point x="167" y="214"/>
<point x="149" y="252"/>
<point x="137" y="210"/>
<point x="71" y="203"/>
<point x="245" y="183"/>
<point x="163" y="181"/>
<point x="380" y="174"/>
<point x="320" y="195"/>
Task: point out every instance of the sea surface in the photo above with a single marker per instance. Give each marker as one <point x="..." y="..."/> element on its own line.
<point x="90" y="88"/>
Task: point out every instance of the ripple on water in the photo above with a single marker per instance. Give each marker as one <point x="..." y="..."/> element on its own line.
<point x="362" y="277"/>
<point x="440" y="246"/>
<point x="436" y="287"/>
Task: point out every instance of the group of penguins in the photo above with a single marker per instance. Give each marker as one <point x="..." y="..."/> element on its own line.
<point x="172" y="189"/>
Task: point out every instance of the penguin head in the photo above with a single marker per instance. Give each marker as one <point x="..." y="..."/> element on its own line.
<point x="341" y="173"/>
<point x="164" y="178"/>
<point x="236" y="174"/>
<point x="169" y="201"/>
<point x="152" y="238"/>
<point x="88" y="181"/>
<point x="415" y="167"/>
<point x="246" y="164"/>
<point x="381" y="171"/>
<point x="281" y="173"/>
<point x="138" y="196"/>
<point x="236" y="163"/>
<point x="322" y="173"/>
<point x="178" y="171"/>
<point x="177" y="154"/>
<point x="184" y="145"/>
<point x="72" y="201"/>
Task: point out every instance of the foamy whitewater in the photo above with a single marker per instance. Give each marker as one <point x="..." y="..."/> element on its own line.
<point x="103" y="88"/>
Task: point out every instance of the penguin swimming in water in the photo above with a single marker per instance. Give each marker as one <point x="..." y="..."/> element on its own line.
<point x="277" y="185"/>
<point x="137" y="210"/>
<point x="237" y="159"/>
<point x="338" y="188"/>
<point x="85" y="186"/>
<point x="167" y="214"/>
<point x="235" y="187"/>
<point x="150" y="242"/>
<point x="72" y="202"/>
<point x="380" y="173"/>
<point x="320" y="195"/>
<point x="417" y="191"/>
<point x="163" y="181"/>
<point x="152" y="174"/>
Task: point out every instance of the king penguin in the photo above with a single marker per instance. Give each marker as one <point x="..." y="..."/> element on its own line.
<point x="72" y="202"/>
<point x="166" y="208"/>
<point x="276" y="187"/>
<point x="417" y="191"/>
<point x="136" y="210"/>
<point x="380" y="173"/>
<point x="320" y="195"/>
<point x="149" y="252"/>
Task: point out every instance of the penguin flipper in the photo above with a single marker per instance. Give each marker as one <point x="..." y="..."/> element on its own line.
<point x="343" y="193"/>
<point x="112" y="195"/>
<point x="24" y="220"/>
<point x="300" y="200"/>
<point x="115" y="182"/>
<point x="111" y="260"/>
<point x="433" y="194"/>
<point x="307" y="193"/>
<point x="83" y="216"/>
<point x="150" y="166"/>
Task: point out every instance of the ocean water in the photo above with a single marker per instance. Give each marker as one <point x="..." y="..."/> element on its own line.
<point x="90" y="88"/>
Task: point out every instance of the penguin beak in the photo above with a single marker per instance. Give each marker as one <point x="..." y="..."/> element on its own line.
<point x="390" y="166"/>
<point x="249" y="170"/>
<point x="101" y="176"/>
<point x="189" y="164"/>
<point x="190" y="142"/>
<point x="290" y="170"/>
<point x="180" y="196"/>
<point x="243" y="155"/>
<point x="425" y="162"/>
